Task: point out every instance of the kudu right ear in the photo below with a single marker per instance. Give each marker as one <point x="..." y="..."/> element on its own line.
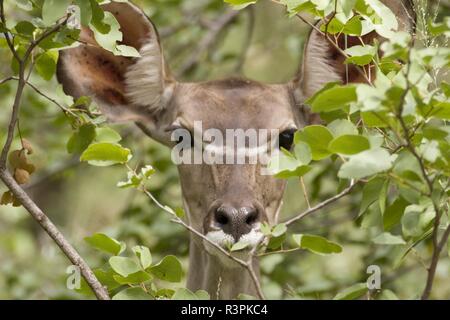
<point x="323" y="62"/>
<point x="126" y="89"/>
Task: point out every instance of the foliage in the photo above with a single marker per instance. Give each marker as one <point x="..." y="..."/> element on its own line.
<point x="391" y="137"/>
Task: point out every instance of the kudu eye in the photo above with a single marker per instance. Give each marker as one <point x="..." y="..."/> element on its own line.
<point x="286" y="139"/>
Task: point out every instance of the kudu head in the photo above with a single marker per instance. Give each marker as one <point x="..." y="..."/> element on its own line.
<point x="225" y="202"/>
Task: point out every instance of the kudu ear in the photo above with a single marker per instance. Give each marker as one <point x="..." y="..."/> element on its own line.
<point x="126" y="89"/>
<point x="323" y="62"/>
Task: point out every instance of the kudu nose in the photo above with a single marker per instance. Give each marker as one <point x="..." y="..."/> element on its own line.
<point x="236" y="221"/>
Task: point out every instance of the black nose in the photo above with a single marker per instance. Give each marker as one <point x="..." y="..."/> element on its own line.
<point x="236" y="221"/>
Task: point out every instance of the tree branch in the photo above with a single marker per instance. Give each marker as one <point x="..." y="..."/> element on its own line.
<point x="14" y="187"/>
<point x="323" y="204"/>
<point x="99" y="291"/>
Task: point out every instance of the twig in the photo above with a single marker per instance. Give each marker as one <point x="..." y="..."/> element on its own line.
<point x="70" y="252"/>
<point x="434" y="261"/>
<point x="323" y="204"/>
<point x="305" y="193"/>
<point x="279" y="251"/>
<point x="6" y="80"/>
<point x="38" y="91"/>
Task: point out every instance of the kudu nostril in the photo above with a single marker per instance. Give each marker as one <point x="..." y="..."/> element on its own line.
<point x="221" y="217"/>
<point x="236" y="221"/>
<point x="252" y="216"/>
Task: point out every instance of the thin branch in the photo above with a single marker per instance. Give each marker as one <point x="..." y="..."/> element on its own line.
<point x="6" y="80"/>
<point x="44" y="95"/>
<point x="434" y="261"/>
<point x="70" y="252"/>
<point x="305" y="192"/>
<point x="323" y="204"/>
<point x="279" y="251"/>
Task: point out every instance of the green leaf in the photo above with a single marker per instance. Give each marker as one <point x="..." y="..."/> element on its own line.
<point x="279" y="230"/>
<point x="104" y="243"/>
<point x="186" y="294"/>
<point x="24" y="4"/>
<point x="265" y="229"/>
<point x="107" y="134"/>
<point x="239" y="246"/>
<point x="85" y="11"/>
<point x="383" y="196"/>
<point x="168" y="269"/>
<point x="108" y="40"/>
<point x="52" y="10"/>
<point x="394" y="213"/>
<point x="360" y="55"/>
<point x="317" y="137"/>
<point x="144" y="255"/>
<point x="240" y="4"/>
<point x="132" y="294"/>
<point x="349" y="144"/>
<point x="388" y="239"/>
<point x="371" y="192"/>
<point x="105" y="154"/>
<point x="202" y="295"/>
<point x="366" y="163"/>
<point x="417" y="220"/>
<point x="342" y="127"/>
<point x="25" y="28"/>
<point x="284" y="165"/>
<point x="353" y="27"/>
<point x="109" y="37"/>
<point x="316" y="244"/>
<point x="133" y="181"/>
<point x="134" y="278"/>
<point x="334" y="98"/>
<point x="179" y="212"/>
<point x="302" y="153"/>
<point x="353" y="292"/>
<point x="243" y="296"/>
<point x="126" y="51"/>
<point x="387" y="294"/>
<point x="46" y="64"/>
<point x="123" y="265"/>
<point x="81" y="138"/>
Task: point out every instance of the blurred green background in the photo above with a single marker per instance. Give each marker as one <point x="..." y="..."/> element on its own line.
<point x="262" y="44"/>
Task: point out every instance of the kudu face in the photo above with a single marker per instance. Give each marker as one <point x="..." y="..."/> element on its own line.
<point x="227" y="202"/>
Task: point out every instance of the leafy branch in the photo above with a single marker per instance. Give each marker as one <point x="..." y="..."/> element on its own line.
<point x="11" y="183"/>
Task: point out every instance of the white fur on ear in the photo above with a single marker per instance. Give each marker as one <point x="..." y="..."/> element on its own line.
<point x="317" y="67"/>
<point x="144" y="80"/>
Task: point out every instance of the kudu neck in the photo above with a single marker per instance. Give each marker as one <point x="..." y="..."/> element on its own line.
<point x="221" y="281"/>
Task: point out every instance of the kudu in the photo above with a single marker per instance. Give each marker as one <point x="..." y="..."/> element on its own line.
<point x="224" y="202"/>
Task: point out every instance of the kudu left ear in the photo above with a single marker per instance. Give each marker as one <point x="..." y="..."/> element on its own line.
<point x="323" y="62"/>
<point x="126" y="89"/>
